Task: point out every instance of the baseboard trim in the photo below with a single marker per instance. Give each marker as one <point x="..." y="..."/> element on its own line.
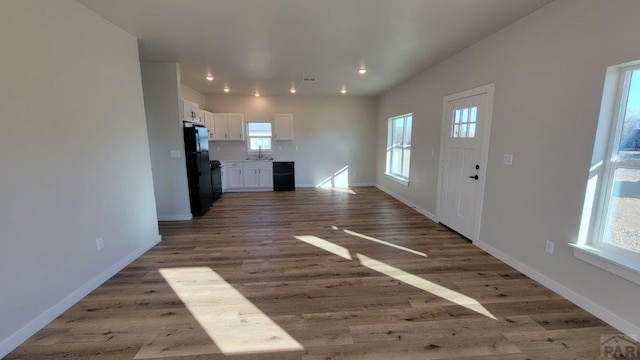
<point x="417" y="208"/>
<point x="365" y="184"/>
<point x="237" y="190"/>
<point x="175" y="217"/>
<point x="13" y="341"/>
<point x="583" y="302"/>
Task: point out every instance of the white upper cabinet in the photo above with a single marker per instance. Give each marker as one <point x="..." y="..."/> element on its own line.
<point x="210" y="124"/>
<point x="235" y="127"/>
<point x="190" y="111"/>
<point x="220" y="126"/>
<point x="283" y="127"/>
<point x="187" y="110"/>
<point x="228" y="127"/>
<point x="200" y="116"/>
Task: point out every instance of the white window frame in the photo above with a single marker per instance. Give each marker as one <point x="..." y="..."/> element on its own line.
<point x="404" y="180"/>
<point x="251" y="151"/>
<point x="590" y="246"/>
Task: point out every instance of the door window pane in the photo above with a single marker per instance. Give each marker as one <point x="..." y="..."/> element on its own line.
<point x="472" y="130"/>
<point x="464" y="123"/>
<point x="474" y="114"/>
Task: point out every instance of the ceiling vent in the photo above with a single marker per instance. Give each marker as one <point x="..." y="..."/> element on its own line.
<point x="309" y="79"/>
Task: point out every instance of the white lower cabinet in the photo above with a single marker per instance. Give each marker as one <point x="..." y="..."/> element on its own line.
<point x="248" y="176"/>
<point x="265" y="177"/>
<point x="233" y="175"/>
<point x="258" y="175"/>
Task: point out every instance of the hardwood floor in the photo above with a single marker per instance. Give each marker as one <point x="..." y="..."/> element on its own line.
<point x="317" y="274"/>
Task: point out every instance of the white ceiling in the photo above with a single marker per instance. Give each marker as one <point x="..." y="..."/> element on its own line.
<point x="270" y="45"/>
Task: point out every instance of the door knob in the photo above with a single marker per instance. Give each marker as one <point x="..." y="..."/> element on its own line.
<point x="474" y="177"/>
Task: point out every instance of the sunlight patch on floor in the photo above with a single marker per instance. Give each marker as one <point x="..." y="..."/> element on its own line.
<point x="338" y="189"/>
<point x="338" y="182"/>
<point x="325" y="245"/>
<point x="216" y="305"/>
<point x="426" y="285"/>
<point x="384" y="242"/>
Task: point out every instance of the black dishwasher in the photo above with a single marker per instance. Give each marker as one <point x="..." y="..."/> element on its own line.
<point x="284" y="178"/>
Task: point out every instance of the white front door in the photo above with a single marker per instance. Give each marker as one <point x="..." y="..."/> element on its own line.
<point x="466" y="127"/>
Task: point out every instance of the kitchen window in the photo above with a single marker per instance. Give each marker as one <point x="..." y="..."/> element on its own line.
<point x="610" y="229"/>
<point x="259" y="136"/>
<point x="399" y="148"/>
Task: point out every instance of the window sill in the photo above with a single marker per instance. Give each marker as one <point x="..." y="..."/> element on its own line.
<point x="397" y="179"/>
<point x="608" y="261"/>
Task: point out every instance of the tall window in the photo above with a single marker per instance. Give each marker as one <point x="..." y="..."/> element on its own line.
<point x="620" y="218"/>
<point x="259" y="136"/>
<point x="611" y="219"/>
<point x="399" y="148"/>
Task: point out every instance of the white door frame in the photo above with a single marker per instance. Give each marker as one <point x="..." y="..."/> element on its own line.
<point x="484" y="155"/>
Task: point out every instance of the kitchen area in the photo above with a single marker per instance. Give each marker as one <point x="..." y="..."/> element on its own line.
<point x="314" y="140"/>
<point x="209" y="178"/>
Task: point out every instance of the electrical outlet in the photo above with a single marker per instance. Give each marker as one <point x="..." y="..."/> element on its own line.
<point x="99" y="243"/>
<point x="548" y="248"/>
<point x="507" y="159"/>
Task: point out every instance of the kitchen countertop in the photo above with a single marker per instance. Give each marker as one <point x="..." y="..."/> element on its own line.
<point x="248" y="160"/>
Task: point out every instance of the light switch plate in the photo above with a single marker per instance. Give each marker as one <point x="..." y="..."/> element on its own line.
<point x="549" y="246"/>
<point x="174" y="153"/>
<point x="507" y="159"/>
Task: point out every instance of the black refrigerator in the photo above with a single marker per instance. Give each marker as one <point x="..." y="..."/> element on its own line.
<point x="196" y="143"/>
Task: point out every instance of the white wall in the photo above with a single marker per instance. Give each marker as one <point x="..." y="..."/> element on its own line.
<point x="549" y="70"/>
<point x="162" y="100"/>
<point x="74" y="159"/>
<point x="330" y="133"/>
<point x="192" y="95"/>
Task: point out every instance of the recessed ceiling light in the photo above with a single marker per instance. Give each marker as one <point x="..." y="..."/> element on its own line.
<point x="257" y="93"/>
<point x="209" y="77"/>
<point x="344" y="90"/>
<point x="293" y="90"/>
<point x="362" y="71"/>
<point x="226" y="89"/>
